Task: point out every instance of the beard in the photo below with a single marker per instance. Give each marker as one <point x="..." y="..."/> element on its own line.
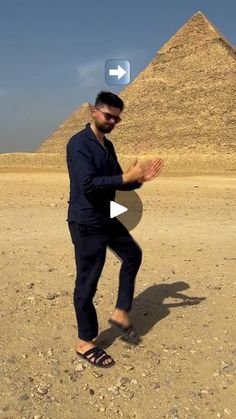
<point x="104" y="127"/>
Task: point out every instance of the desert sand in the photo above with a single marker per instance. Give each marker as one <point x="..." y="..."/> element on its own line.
<point x="184" y="305"/>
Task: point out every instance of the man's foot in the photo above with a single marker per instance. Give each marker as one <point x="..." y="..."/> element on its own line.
<point x="83" y="346"/>
<point x="121" y="322"/>
<point x="122" y="317"/>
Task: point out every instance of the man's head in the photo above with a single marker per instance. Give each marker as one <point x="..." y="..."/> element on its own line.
<point x="106" y="111"/>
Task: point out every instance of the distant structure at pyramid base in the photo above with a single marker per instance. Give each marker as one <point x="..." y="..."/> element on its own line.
<point x="184" y="99"/>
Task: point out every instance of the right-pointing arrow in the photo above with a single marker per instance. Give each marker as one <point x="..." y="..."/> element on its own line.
<point x="119" y="72"/>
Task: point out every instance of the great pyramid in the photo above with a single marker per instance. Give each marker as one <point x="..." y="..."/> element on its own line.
<point x="183" y="100"/>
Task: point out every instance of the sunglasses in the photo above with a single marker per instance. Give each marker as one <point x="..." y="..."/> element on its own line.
<point x="109" y="116"/>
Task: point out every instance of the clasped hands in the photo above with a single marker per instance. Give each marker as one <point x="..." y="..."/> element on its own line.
<point x="143" y="171"/>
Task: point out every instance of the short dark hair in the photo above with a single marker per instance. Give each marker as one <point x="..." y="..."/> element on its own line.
<point x="110" y="99"/>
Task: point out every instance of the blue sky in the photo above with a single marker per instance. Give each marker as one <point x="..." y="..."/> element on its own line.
<point x="53" y="54"/>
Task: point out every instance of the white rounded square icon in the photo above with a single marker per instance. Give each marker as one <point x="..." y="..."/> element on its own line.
<point x="117" y="72"/>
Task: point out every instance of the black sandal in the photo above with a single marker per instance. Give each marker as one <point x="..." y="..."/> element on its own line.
<point x="126" y="331"/>
<point x="97" y="352"/>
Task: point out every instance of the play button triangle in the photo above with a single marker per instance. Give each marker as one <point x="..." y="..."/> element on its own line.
<point x="116" y="209"/>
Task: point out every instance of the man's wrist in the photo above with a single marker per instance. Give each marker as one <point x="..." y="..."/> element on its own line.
<point x="125" y="178"/>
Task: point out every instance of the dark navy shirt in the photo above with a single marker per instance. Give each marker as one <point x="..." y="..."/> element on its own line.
<point x="95" y="175"/>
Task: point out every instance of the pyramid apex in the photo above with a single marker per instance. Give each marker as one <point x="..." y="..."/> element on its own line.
<point x="85" y="105"/>
<point x="75" y="122"/>
<point x="200" y="13"/>
<point x="196" y="31"/>
<point x="201" y="17"/>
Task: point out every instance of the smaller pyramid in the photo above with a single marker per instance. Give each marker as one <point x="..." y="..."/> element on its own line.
<point x="55" y="143"/>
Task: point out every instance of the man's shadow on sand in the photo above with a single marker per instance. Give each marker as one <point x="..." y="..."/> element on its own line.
<point x="149" y="308"/>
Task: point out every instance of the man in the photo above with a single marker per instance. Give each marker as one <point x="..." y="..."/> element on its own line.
<point x="95" y="174"/>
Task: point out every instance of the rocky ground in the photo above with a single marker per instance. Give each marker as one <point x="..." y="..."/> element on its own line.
<point x="184" y="305"/>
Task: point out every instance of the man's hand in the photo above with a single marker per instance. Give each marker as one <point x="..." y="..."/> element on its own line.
<point x="135" y="172"/>
<point x="143" y="171"/>
<point x="153" y="170"/>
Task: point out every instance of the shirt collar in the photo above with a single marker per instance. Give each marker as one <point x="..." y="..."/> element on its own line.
<point x="90" y="134"/>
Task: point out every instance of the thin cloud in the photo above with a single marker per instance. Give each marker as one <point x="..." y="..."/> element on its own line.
<point x="92" y="73"/>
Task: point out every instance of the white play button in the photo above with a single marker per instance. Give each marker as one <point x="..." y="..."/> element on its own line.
<point x="116" y="209"/>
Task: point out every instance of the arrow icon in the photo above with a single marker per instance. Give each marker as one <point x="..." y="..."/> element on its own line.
<point x="119" y="72"/>
<point x="116" y="209"/>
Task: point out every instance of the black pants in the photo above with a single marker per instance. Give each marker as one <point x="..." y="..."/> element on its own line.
<point x="90" y="243"/>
